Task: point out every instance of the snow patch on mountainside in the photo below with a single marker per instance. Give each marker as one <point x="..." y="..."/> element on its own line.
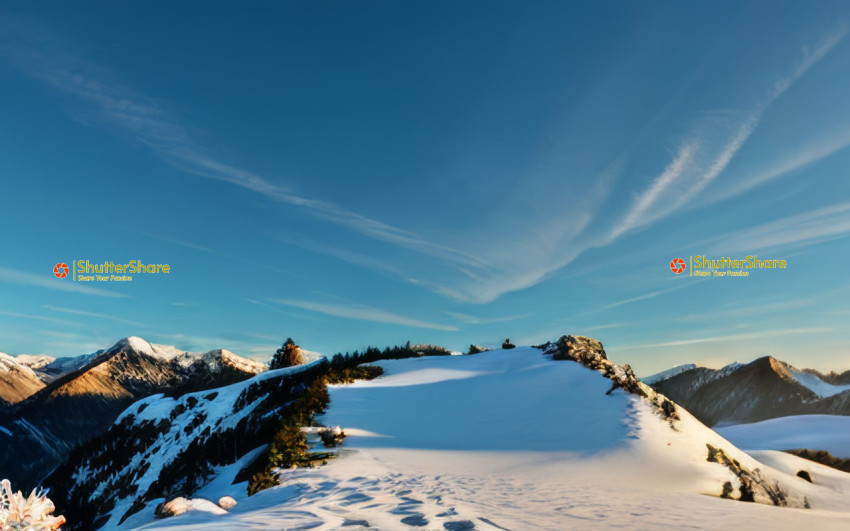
<point x="815" y="384"/>
<point x="815" y="432"/>
<point x="34" y="361"/>
<point x="10" y="364"/>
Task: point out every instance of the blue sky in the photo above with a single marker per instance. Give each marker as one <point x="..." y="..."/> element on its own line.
<point x="370" y="173"/>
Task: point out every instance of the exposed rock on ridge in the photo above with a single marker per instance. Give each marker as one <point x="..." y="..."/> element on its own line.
<point x="590" y="353"/>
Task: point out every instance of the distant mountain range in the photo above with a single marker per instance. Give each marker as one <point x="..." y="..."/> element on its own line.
<point x="762" y="389"/>
<point x="51" y="406"/>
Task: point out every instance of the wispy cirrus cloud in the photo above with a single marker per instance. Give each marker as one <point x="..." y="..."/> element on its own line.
<point x="362" y="313"/>
<point x="701" y="158"/>
<point x="647" y="200"/>
<point x="13" y="276"/>
<point x="473" y="320"/>
<point x="473" y="270"/>
<point x="92" y="314"/>
<point x="738" y="311"/>
<point x="39" y="318"/>
<point x="202" y="248"/>
<point x="820" y="148"/>
<point x="731" y="337"/>
<point x="801" y="229"/>
<point x="604" y="327"/>
<point x="42" y="56"/>
<point x="705" y="156"/>
<point x="646" y="296"/>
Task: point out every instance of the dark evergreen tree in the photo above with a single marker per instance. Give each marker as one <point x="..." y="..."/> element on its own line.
<point x="281" y="355"/>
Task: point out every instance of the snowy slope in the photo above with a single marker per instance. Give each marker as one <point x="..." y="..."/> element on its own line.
<point x="815" y="384"/>
<point x="160" y="442"/>
<point x="512" y="440"/>
<point x="815" y="432"/>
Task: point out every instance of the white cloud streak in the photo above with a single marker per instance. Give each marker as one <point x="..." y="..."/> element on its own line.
<point x="472" y="320"/>
<point x="645" y="202"/>
<point x="687" y="175"/>
<point x="732" y="337"/>
<point x="809" y="227"/>
<point x="148" y="122"/>
<point x="478" y="277"/>
<point x="92" y="314"/>
<point x="39" y="318"/>
<point x="362" y="313"/>
<point x="823" y="147"/>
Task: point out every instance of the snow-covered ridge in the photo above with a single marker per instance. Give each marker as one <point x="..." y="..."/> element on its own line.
<point x="669" y="373"/>
<point x="10" y="363"/>
<point x="34" y="361"/>
<point x="214" y="359"/>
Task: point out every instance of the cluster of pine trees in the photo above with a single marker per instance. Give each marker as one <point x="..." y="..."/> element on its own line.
<point x="288" y="447"/>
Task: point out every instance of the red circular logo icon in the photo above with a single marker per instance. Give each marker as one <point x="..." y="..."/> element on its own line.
<point x="677" y="265"/>
<point x="60" y="270"/>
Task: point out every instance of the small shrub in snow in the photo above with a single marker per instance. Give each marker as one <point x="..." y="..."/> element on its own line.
<point x="32" y="513"/>
<point x="332" y="437"/>
<point x="261" y="481"/>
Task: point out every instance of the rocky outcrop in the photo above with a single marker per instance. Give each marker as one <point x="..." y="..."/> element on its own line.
<point x="590" y="353"/>
<point x="752" y="486"/>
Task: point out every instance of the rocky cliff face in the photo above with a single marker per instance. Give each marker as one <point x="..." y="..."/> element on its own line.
<point x="40" y="431"/>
